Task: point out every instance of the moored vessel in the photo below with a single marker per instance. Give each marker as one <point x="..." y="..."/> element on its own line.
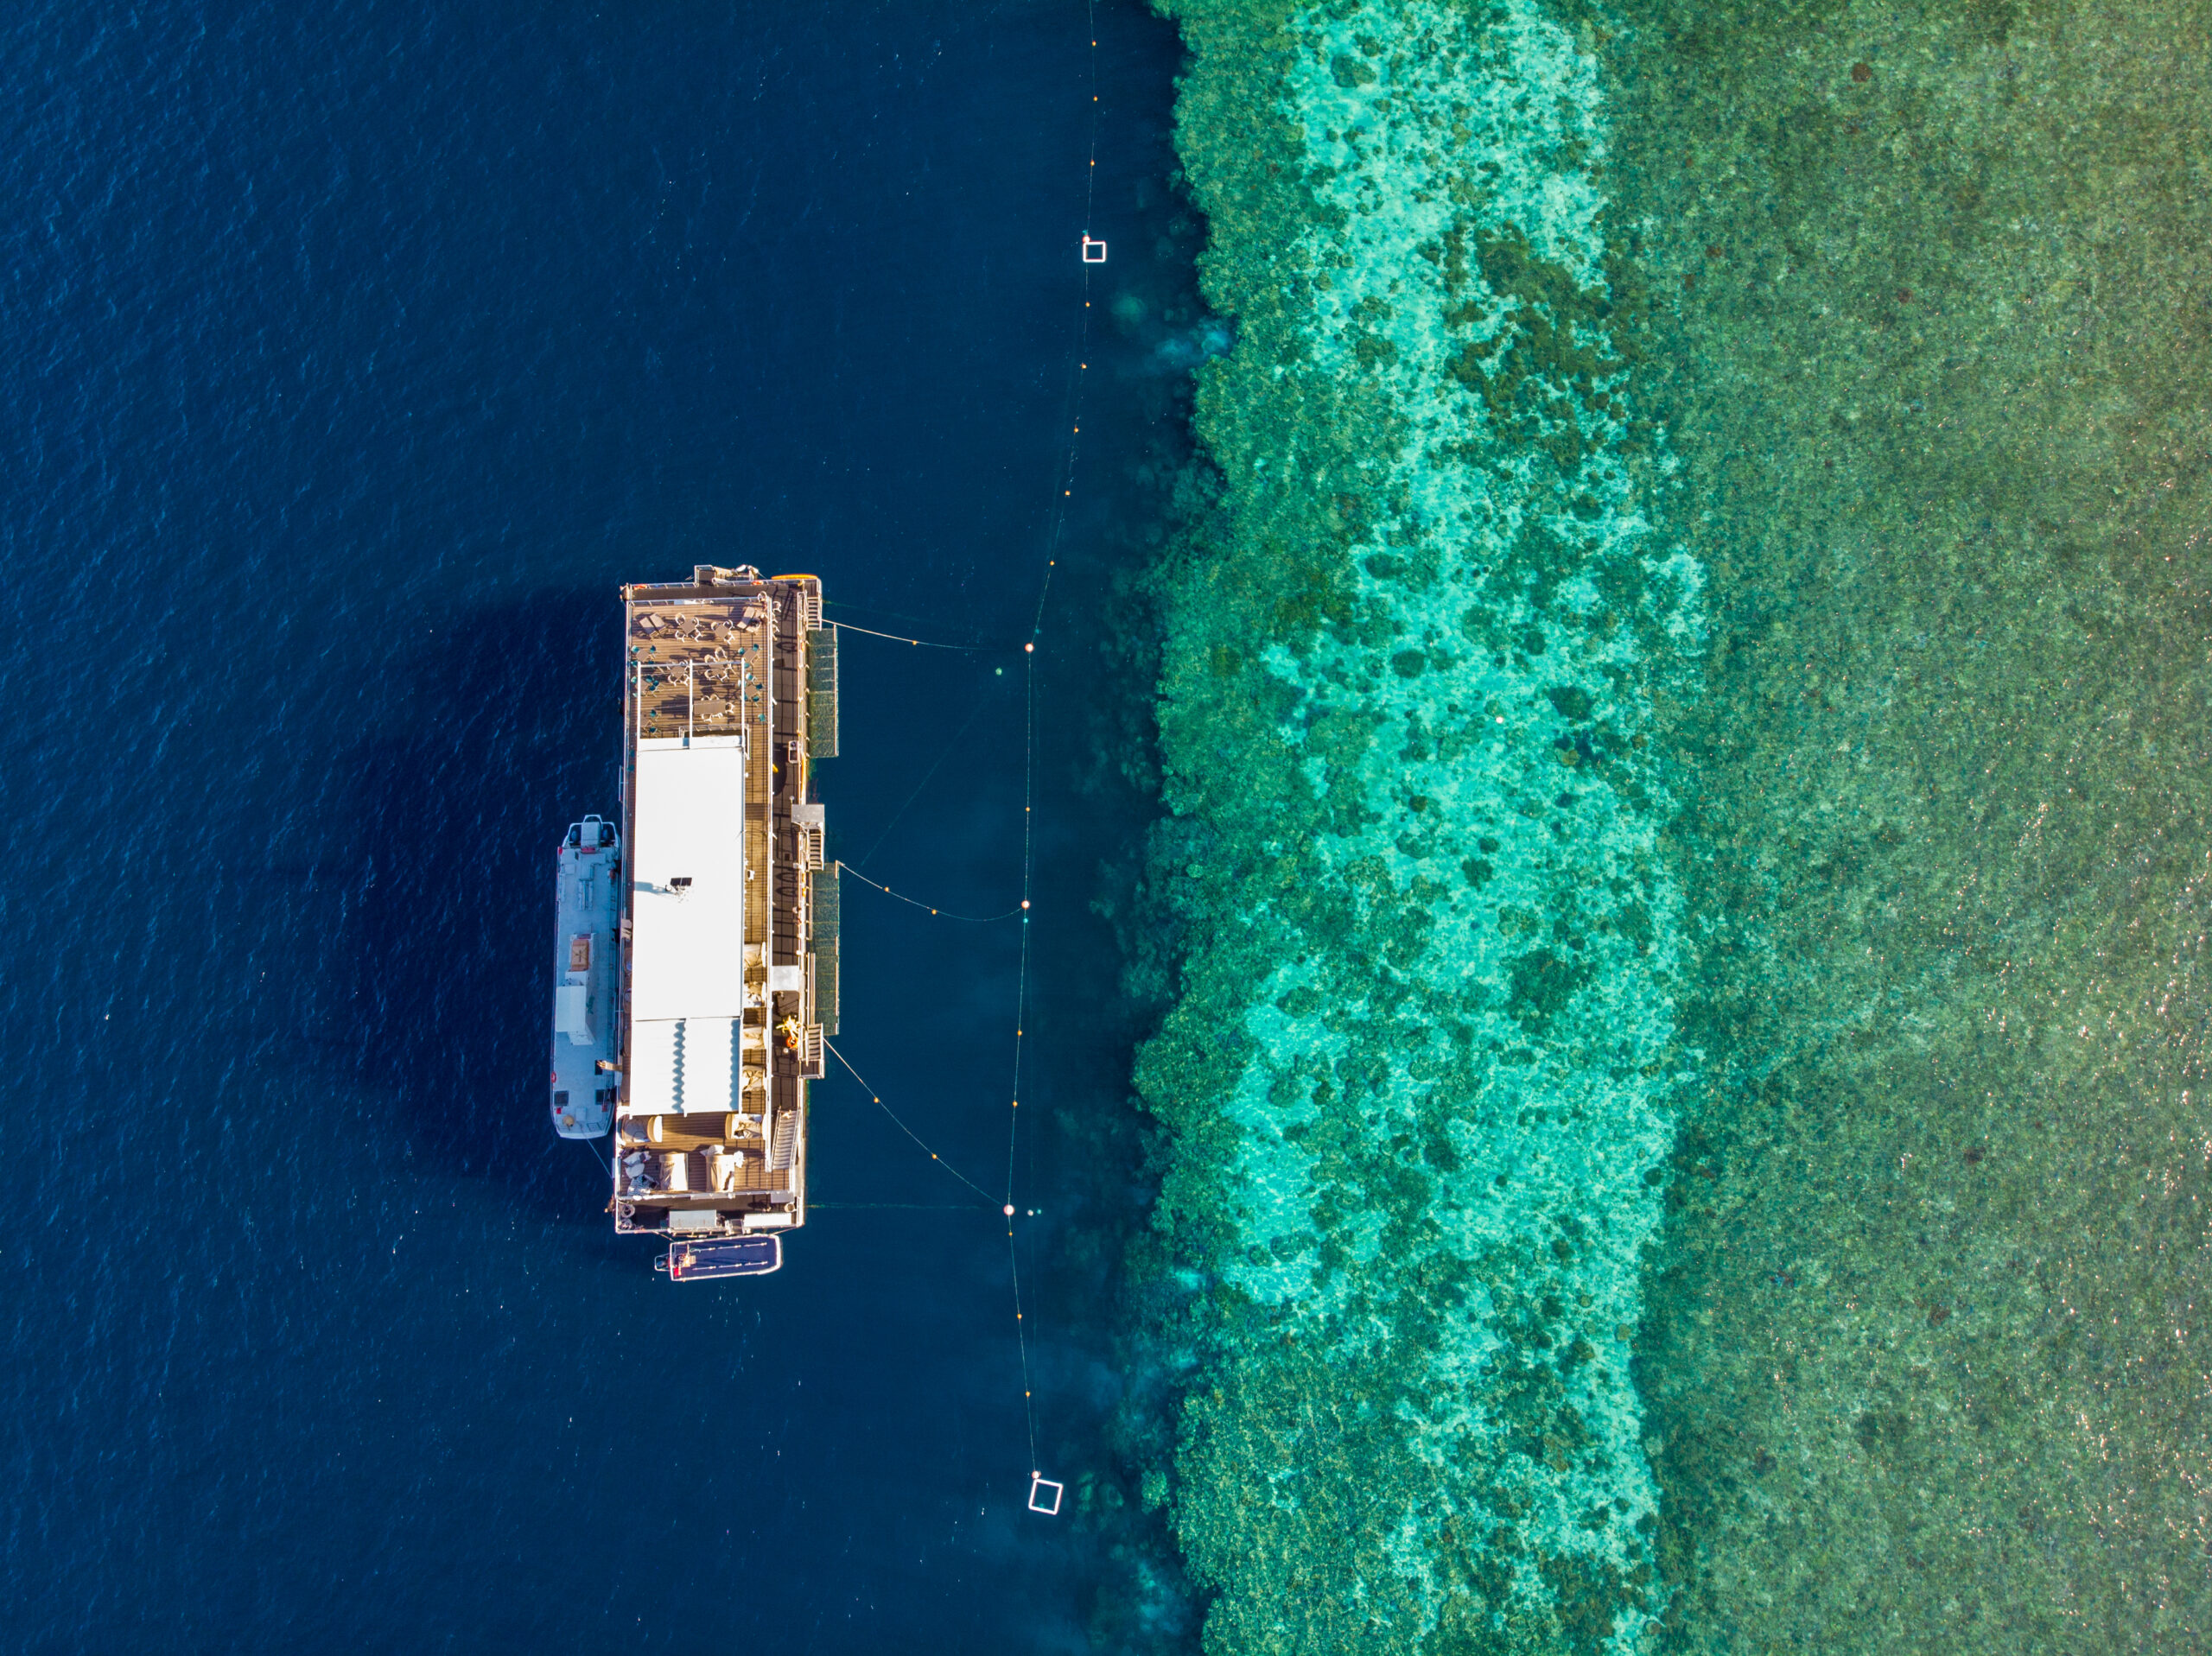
<point x="587" y="901"/>
<point x="726" y="948"/>
<point x="722" y="1256"/>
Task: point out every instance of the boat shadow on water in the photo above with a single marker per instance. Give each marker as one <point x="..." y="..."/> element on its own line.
<point x="505" y="730"/>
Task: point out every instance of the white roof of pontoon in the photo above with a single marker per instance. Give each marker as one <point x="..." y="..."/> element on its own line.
<point x="687" y="954"/>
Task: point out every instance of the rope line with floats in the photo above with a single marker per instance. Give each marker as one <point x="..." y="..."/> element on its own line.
<point x="923" y="643"/>
<point x="942" y="914"/>
<point x="901" y="1125"/>
<point x="1044" y="1493"/>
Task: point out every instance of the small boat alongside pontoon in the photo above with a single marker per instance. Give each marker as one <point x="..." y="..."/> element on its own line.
<point x="587" y="904"/>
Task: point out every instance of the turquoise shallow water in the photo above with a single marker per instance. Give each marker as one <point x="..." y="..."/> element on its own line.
<point x="1682" y="723"/>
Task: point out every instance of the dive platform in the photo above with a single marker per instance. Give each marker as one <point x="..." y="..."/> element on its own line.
<point x="726" y="939"/>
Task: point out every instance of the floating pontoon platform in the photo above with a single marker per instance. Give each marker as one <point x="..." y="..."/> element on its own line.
<point x="727" y="938"/>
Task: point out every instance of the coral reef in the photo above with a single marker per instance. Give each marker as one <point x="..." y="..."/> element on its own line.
<point x="1922" y="1361"/>
<point x="1686" y="728"/>
<point x="1417" y="1076"/>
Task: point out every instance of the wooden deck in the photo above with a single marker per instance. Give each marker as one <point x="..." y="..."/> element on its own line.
<point x="704" y="665"/>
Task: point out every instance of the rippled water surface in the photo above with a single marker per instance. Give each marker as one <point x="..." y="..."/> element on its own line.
<point x="351" y="358"/>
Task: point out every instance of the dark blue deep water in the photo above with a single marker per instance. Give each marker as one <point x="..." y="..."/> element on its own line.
<point x="349" y="357"/>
